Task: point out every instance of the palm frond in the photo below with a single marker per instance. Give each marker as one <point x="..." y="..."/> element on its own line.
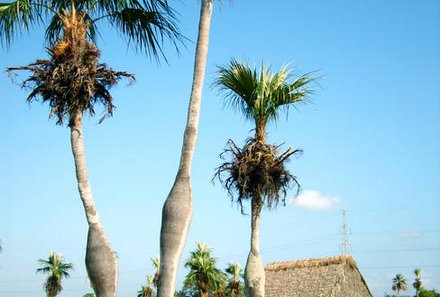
<point x="256" y="172"/>
<point x="16" y="16"/>
<point x="146" y="29"/>
<point x="72" y="84"/>
<point x="259" y="94"/>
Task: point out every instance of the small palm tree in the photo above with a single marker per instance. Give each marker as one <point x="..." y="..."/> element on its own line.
<point x="399" y="283"/>
<point x="234" y="270"/>
<point x="417" y="284"/>
<point x="147" y="291"/>
<point x="56" y="270"/>
<point x="257" y="172"/>
<point x="203" y="274"/>
<point x="156" y="266"/>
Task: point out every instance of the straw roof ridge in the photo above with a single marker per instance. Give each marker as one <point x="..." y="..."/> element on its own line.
<point x="312" y="262"/>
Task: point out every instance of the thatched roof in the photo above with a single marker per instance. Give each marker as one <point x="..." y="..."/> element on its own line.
<point x="327" y="277"/>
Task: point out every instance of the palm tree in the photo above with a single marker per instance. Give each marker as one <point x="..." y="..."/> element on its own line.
<point x="57" y="270"/>
<point x="177" y="209"/>
<point x="256" y="172"/>
<point x="399" y="283"/>
<point x="156" y="265"/>
<point x="234" y="270"/>
<point x="147" y="291"/>
<point x="70" y="33"/>
<point x="70" y="96"/>
<point x="417" y="284"/>
<point x="203" y="274"/>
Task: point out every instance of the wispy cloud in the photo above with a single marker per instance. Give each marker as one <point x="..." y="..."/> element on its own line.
<point x="314" y="201"/>
<point x="409" y="234"/>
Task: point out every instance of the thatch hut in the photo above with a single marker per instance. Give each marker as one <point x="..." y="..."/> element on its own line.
<point x="328" y="277"/>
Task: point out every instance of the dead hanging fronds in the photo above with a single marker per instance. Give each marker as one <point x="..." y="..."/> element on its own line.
<point x="256" y="171"/>
<point x="72" y="81"/>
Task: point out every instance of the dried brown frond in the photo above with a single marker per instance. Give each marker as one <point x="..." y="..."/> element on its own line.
<point x="256" y="172"/>
<point x="72" y="81"/>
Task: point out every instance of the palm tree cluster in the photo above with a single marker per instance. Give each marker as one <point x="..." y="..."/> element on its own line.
<point x="150" y="289"/>
<point x="203" y="273"/>
<point x="56" y="269"/>
<point x="205" y="279"/>
<point x="147" y="291"/>
<point x="401" y="284"/>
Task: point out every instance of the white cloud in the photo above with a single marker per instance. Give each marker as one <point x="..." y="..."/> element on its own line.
<point x="314" y="201"/>
<point x="409" y="234"/>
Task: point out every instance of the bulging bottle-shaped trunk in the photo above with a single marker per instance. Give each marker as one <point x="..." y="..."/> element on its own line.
<point x="177" y="210"/>
<point x="101" y="262"/>
<point x="100" y="259"/>
<point x="176" y="218"/>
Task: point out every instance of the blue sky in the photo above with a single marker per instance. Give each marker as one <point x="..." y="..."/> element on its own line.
<point x="371" y="141"/>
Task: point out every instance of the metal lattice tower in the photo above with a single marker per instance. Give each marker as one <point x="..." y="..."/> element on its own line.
<point x="345" y="244"/>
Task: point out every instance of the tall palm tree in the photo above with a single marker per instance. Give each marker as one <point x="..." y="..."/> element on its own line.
<point x="256" y="172"/>
<point x="70" y="33"/>
<point x="234" y="270"/>
<point x="177" y="209"/>
<point x="56" y="270"/>
<point x="417" y="284"/>
<point x="203" y="274"/>
<point x="399" y="283"/>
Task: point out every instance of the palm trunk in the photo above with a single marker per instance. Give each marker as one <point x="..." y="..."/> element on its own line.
<point x="260" y="129"/>
<point x="177" y="210"/>
<point x="100" y="259"/>
<point x="254" y="271"/>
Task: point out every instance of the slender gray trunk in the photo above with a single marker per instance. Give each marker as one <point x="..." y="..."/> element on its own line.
<point x="177" y="210"/>
<point x="254" y="275"/>
<point x="100" y="259"/>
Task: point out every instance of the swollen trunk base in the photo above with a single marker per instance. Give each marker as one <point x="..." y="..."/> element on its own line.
<point x="101" y="262"/>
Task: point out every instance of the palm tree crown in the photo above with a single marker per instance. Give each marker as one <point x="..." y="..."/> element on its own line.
<point x="203" y="272"/>
<point x="57" y="270"/>
<point x="399" y="283"/>
<point x="145" y="23"/>
<point x="417" y="284"/>
<point x="260" y="95"/>
<point x="234" y="270"/>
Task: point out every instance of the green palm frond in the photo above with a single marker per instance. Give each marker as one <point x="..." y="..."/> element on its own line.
<point x="147" y="24"/>
<point x="259" y="94"/>
<point x="146" y="29"/>
<point x="16" y="16"/>
<point x="233" y="269"/>
<point x="203" y="271"/>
